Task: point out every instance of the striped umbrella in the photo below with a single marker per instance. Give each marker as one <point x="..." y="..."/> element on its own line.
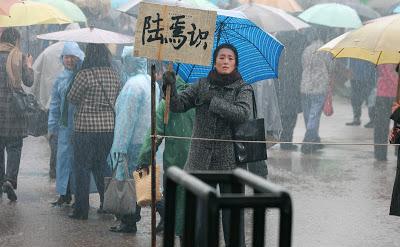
<point x="259" y="52"/>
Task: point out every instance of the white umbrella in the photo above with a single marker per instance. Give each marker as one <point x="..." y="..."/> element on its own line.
<point x="271" y="19"/>
<point x="131" y="8"/>
<point x="89" y="35"/>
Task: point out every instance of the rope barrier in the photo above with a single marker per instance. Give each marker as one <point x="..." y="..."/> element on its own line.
<point x="277" y="142"/>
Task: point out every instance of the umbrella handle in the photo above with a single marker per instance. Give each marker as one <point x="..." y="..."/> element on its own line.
<point x="167" y="97"/>
<point x="167" y="103"/>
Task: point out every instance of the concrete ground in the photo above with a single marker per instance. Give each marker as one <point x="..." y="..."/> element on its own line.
<point x="340" y="194"/>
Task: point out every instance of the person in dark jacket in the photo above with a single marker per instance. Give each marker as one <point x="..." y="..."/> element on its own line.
<point x="220" y="100"/>
<point x="289" y="80"/>
<point x="394" y="137"/>
<point x="93" y="92"/>
<point x="15" y="69"/>
<point x="362" y="83"/>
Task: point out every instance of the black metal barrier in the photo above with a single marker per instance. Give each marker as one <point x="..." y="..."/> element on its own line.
<point x="200" y="187"/>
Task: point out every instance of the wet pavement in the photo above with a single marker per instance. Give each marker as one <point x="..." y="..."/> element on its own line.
<point x="341" y="197"/>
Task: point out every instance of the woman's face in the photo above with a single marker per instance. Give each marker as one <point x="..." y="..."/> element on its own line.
<point x="225" y="62"/>
<point x="70" y="61"/>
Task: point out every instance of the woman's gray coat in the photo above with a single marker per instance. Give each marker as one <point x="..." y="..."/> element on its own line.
<point x="232" y="104"/>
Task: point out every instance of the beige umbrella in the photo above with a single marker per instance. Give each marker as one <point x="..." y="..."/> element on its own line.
<point x="377" y="42"/>
<point x="29" y="13"/>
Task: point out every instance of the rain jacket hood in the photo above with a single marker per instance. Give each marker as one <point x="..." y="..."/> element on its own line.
<point x="72" y="49"/>
<point x="133" y="65"/>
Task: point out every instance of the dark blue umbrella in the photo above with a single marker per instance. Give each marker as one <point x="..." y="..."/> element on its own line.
<point x="259" y="52"/>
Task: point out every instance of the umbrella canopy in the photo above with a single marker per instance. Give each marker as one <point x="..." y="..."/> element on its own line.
<point x="70" y="9"/>
<point x="332" y="15"/>
<point x="396" y="10"/>
<point x="5" y="6"/>
<point x="383" y="6"/>
<point x="258" y="51"/>
<point x="115" y="4"/>
<point x="286" y="5"/>
<point x="271" y="19"/>
<point x="89" y="35"/>
<point x="131" y="8"/>
<point x="364" y="11"/>
<point x="377" y="42"/>
<point x="31" y="13"/>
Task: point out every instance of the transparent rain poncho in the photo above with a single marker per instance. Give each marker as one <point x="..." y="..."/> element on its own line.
<point x="132" y="109"/>
<point x="268" y="108"/>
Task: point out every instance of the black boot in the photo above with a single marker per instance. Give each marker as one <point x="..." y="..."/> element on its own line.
<point x="369" y="125"/>
<point x="9" y="190"/>
<point x="356" y="122"/>
<point x="124" y="228"/>
<point x="61" y="200"/>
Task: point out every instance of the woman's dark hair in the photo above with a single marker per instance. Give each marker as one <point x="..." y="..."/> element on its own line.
<point x="96" y="55"/>
<point x="227" y="46"/>
<point x="10" y="35"/>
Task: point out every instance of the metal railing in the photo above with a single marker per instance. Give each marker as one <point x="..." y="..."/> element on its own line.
<point x="200" y="188"/>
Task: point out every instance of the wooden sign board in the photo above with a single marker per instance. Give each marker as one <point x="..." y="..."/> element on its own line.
<point x="172" y="33"/>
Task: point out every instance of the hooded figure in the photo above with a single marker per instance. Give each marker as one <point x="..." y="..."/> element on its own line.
<point x="132" y="119"/>
<point x="132" y="110"/>
<point x="46" y="68"/>
<point x="71" y="51"/>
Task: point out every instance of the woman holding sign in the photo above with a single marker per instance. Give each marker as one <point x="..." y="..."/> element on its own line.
<point x="221" y="100"/>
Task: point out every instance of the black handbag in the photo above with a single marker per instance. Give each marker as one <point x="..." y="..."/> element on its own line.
<point x="26" y="105"/>
<point x="19" y="102"/>
<point x="251" y="130"/>
<point x="36" y="116"/>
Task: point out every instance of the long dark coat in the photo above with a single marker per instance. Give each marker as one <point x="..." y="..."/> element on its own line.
<point x="395" y="203"/>
<point x="231" y="105"/>
<point x="12" y="124"/>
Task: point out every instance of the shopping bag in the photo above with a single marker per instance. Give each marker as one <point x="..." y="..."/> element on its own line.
<point x="143" y="186"/>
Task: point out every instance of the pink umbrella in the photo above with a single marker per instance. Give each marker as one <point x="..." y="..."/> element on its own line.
<point x="5" y="6"/>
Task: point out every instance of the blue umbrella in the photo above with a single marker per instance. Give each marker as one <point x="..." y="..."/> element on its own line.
<point x="259" y="52"/>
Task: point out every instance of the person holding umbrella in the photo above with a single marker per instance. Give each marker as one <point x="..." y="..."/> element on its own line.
<point x="221" y="100"/>
<point x="387" y="84"/>
<point x="394" y="135"/>
<point x="15" y="69"/>
<point x="94" y="92"/>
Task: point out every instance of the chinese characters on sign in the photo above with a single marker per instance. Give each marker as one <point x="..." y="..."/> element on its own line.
<point x="174" y="34"/>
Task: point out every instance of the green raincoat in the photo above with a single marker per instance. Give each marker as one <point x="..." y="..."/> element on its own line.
<point x="176" y="151"/>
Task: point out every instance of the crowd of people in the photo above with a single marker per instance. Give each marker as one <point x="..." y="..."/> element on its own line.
<point x="306" y="76"/>
<point x="99" y="113"/>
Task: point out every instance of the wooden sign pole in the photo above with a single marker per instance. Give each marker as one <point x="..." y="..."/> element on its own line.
<point x="153" y="155"/>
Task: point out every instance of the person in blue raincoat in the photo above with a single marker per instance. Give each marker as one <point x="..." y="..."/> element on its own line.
<point x="60" y="122"/>
<point x="133" y="118"/>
